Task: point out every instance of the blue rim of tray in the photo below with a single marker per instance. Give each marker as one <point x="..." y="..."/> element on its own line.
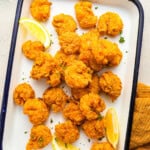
<point x="10" y="63"/>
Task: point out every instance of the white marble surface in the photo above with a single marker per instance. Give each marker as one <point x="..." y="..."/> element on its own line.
<point x="7" y="14"/>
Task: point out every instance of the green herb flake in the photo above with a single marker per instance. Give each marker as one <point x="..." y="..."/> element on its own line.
<point x="25" y="132"/>
<point x="96" y="7"/>
<point x="89" y="140"/>
<point x="105" y="37"/>
<point x="66" y="145"/>
<point x="100" y="117"/>
<point x="51" y="121"/>
<point x="121" y="40"/>
<point x="51" y="42"/>
<point x="126" y="51"/>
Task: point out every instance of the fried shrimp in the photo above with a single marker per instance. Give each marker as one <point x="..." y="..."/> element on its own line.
<point x="72" y="112"/>
<point x="101" y="146"/>
<point x="78" y="75"/>
<point x="43" y="64"/>
<point x="31" y="49"/>
<point x="106" y="53"/>
<point x="87" y="41"/>
<point x="91" y="105"/>
<point x="40" y="136"/>
<point x="69" y="42"/>
<point x="40" y="9"/>
<point x="36" y="110"/>
<point x="111" y="84"/>
<point x="85" y="15"/>
<point x="94" y="129"/>
<point x="93" y="87"/>
<point x="55" y="98"/>
<point x="67" y="132"/>
<point x="110" y="23"/>
<point x="64" y="23"/>
<point x="22" y="93"/>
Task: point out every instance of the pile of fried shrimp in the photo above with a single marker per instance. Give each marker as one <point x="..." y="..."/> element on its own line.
<point x="78" y="64"/>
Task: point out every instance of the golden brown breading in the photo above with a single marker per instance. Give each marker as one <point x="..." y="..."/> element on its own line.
<point x="93" y="87"/>
<point x="111" y="84"/>
<point x="36" y="110"/>
<point x="31" y="49"/>
<point x="22" y="93"/>
<point x="91" y="105"/>
<point x="40" y="9"/>
<point x="64" y="23"/>
<point x="55" y="98"/>
<point x="85" y="15"/>
<point x="69" y="42"/>
<point x="72" y="112"/>
<point x="40" y="136"/>
<point x="110" y="23"/>
<point x="106" y="53"/>
<point x="43" y="64"/>
<point x="67" y="132"/>
<point x="87" y="41"/>
<point x="94" y="129"/>
<point x="143" y="91"/>
<point x="102" y="146"/>
<point x="78" y="75"/>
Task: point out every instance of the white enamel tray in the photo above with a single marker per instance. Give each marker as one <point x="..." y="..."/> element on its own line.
<point x="13" y="123"/>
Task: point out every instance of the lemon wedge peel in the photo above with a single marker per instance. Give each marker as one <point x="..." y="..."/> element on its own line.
<point x="112" y="127"/>
<point x="37" y="30"/>
<point x="59" y="145"/>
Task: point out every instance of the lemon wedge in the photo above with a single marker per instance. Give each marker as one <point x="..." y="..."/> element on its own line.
<point x="37" y="30"/>
<point x="59" y="145"/>
<point x="112" y="127"/>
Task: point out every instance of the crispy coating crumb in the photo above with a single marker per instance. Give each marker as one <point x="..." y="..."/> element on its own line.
<point x="85" y="15"/>
<point x="94" y="129"/>
<point x="91" y="105"/>
<point x="36" y="110"/>
<point x="110" y="23"/>
<point x="87" y="41"/>
<point x="31" y="49"/>
<point x="64" y="23"/>
<point x="69" y="42"/>
<point x="72" y="112"/>
<point x="93" y="87"/>
<point x="111" y="84"/>
<point x="40" y="9"/>
<point x="55" y="98"/>
<point x="40" y="136"/>
<point x="67" y="132"/>
<point x="78" y="75"/>
<point x="106" y="53"/>
<point x="22" y="93"/>
<point x="101" y="146"/>
<point x="43" y="64"/>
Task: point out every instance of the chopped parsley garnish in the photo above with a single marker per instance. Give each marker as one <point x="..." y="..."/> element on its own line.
<point x="96" y="7"/>
<point x="66" y="145"/>
<point x="105" y="37"/>
<point x="25" y="132"/>
<point x="51" y="121"/>
<point x="121" y="40"/>
<point x="100" y="117"/>
<point x="89" y="140"/>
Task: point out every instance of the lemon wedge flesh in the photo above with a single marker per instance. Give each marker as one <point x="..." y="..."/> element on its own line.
<point x="112" y="127"/>
<point x="37" y="30"/>
<point x="59" y="145"/>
